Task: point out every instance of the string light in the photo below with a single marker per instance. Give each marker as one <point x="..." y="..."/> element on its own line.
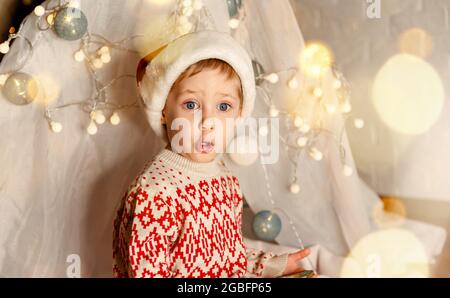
<point x="39" y="10"/>
<point x="79" y="56"/>
<point x="274" y="112"/>
<point x="294" y="188"/>
<point x="59" y="16"/>
<point x="272" y="78"/>
<point x="56" y="126"/>
<point x="359" y="123"/>
<point x="233" y="23"/>
<point x="317" y="92"/>
<point x="346" y="107"/>
<point x="337" y="84"/>
<point x="298" y="121"/>
<point x="4" y="47"/>
<point x="305" y="128"/>
<point x="315" y="154"/>
<point x="347" y="170"/>
<point x="331" y="109"/>
<point x="293" y="83"/>
<point x="235" y="12"/>
<point x="92" y="128"/>
<point x="114" y="119"/>
<point x="302" y="141"/>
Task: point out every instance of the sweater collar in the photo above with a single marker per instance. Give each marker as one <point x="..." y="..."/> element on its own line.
<point x="182" y="163"/>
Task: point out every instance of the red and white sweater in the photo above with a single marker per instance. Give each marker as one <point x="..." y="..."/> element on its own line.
<point x="182" y="218"/>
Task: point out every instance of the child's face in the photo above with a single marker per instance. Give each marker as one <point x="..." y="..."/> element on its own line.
<point x="212" y="98"/>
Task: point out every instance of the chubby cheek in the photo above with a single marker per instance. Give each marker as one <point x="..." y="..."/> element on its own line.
<point x="225" y="135"/>
<point x="181" y="124"/>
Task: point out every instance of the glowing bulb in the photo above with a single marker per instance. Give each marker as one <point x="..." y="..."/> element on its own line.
<point x="294" y="188"/>
<point x="98" y="63"/>
<point x="315" y="154"/>
<point x="39" y="10"/>
<point x="346" y="107"/>
<point x="114" y="119"/>
<point x="51" y="19"/>
<point x="293" y="83"/>
<point x="337" y="84"/>
<point x="79" y="56"/>
<point x="331" y="109"/>
<point x="100" y="117"/>
<point x="92" y="128"/>
<point x="305" y="128"/>
<point x="272" y="78"/>
<point x="298" y="121"/>
<point x="4" y="47"/>
<point x="315" y="58"/>
<point x="274" y="112"/>
<point x="318" y="92"/>
<point x="103" y="50"/>
<point x="359" y="123"/>
<point x="56" y="126"/>
<point x="106" y="58"/>
<point x="233" y="23"/>
<point x="302" y="141"/>
<point x="348" y="170"/>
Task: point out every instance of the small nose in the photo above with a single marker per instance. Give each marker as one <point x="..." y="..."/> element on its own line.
<point x="207" y="124"/>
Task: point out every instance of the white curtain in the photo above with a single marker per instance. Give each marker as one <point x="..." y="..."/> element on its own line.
<point x="59" y="192"/>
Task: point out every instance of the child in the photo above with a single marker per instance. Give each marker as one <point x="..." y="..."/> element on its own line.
<point x="182" y="215"/>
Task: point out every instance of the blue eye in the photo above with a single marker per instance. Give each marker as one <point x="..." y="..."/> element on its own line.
<point x="224" y="106"/>
<point x="190" y="105"/>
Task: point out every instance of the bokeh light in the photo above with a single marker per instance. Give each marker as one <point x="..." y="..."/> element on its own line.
<point x="390" y="212"/>
<point x="315" y="58"/>
<point x="416" y="41"/>
<point x="395" y="253"/>
<point x="408" y="94"/>
<point x="49" y="89"/>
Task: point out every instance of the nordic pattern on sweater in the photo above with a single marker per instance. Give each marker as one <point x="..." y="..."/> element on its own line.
<point x="183" y="219"/>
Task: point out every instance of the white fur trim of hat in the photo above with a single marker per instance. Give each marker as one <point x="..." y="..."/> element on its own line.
<point x="164" y="69"/>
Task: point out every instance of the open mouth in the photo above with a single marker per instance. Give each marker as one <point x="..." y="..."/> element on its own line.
<point x="203" y="146"/>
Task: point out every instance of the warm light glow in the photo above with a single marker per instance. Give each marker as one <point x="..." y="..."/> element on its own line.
<point x="408" y="94"/>
<point x="233" y="23"/>
<point x="114" y="119"/>
<point x="387" y="253"/>
<point x="389" y="213"/>
<point x="416" y="41"/>
<point x="49" y="89"/>
<point x="294" y="188"/>
<point x="315" y="59"/>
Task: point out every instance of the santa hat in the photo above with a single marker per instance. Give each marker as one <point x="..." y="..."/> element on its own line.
<point x="158" y="71"/>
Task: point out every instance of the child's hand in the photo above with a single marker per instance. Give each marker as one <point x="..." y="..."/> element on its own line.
<point x="293" y="261"/>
